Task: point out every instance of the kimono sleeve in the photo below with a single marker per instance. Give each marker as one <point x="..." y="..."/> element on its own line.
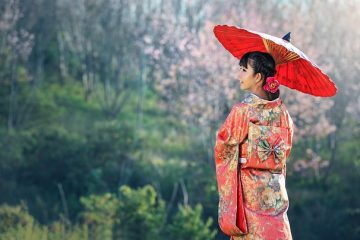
<point x="232" y="132"/>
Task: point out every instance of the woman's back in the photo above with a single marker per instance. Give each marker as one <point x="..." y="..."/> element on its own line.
<point x="251" y="151"/>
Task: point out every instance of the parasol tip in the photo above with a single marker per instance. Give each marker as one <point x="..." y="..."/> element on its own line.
<point x="287" y="37"/>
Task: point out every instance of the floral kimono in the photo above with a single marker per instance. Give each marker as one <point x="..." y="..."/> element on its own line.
<point x="251" y="150"/>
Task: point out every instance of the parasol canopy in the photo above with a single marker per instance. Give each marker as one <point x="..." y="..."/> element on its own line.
<point x="294" y="69"/>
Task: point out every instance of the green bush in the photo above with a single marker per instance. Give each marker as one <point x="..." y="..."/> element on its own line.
<point x="100" y="215"/>
<point x="11" y="216"/>
<point x="188" y="224"/>
<point x="141" y="213"/>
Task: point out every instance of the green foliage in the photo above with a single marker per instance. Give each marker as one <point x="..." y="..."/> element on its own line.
<point x="13" y="216"/>
<point x="16" y="223"/>
<point x="34" y="231"/>
<point x="134" y="214"/>
<point x="30" y="231"/>
<point x="188" y="224"/>
<point x="100" y="215"/>
<point x="141" y="213"/>
<point x="58" y="231"/>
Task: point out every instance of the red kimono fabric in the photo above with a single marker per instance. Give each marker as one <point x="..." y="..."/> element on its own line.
<point x="251" y="150"/>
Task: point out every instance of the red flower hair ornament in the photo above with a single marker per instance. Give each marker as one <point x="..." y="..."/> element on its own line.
<point x="271" y="85"/>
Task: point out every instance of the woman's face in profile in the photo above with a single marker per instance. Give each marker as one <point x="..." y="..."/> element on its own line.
<point x="247" y="78"/>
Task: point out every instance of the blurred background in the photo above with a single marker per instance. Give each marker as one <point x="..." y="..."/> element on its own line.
<point x="109" y="108"/>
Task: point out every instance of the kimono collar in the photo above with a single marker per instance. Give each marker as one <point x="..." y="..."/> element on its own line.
<point x="256" y="101"/>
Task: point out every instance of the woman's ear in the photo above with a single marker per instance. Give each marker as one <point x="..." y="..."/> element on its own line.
<point x="258" y="78"/>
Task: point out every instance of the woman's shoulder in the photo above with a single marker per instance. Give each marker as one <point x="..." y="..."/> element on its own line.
<point x="240" y="109"/>
<point x="241" y="106"/>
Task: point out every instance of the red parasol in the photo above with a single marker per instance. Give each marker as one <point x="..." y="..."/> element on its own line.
<point x="294" y="69"/>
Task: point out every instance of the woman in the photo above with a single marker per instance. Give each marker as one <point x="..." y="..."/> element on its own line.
<point x="251" y="150"/>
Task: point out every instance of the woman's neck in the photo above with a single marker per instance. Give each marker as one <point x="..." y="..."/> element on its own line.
<point x="261" y="94"/>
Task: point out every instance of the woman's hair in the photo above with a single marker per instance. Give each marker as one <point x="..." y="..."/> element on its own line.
<point x="262" y="63"/>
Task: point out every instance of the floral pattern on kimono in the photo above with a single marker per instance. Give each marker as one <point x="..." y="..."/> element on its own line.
<point x="251" y="150"/>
